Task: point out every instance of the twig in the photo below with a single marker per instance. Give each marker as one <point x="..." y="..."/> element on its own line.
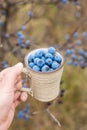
<point x="53" y="117"/>
<point x="36" y="2"/>
<point x="26" y="22"/>
<point x="38" y="112"/>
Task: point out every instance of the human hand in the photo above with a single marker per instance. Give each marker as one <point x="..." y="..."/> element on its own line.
<point x="10" y="97"/>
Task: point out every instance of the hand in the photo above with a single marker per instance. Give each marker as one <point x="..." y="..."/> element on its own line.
<point x="10" y="97"/>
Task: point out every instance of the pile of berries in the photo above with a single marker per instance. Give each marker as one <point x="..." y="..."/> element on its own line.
<point x="45" y="61"/>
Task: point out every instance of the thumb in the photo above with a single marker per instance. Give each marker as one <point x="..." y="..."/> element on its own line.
<point x="13" y="72"/>
<point x="17" y="69"/>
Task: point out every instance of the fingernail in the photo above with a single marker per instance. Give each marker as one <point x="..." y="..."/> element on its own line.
<point x="19" y="64"/>
<point x="24" y="98"/>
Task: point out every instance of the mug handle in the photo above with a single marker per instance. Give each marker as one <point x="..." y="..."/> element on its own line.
<point x="28" y="90"/>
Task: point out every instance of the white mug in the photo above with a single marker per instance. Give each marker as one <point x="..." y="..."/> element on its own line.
<point x="44" y="86"/>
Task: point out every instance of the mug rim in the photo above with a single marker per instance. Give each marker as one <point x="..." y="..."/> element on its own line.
<point x="39" y="71"/>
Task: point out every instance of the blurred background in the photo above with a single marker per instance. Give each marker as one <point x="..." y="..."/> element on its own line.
<point x="29" y="24"/>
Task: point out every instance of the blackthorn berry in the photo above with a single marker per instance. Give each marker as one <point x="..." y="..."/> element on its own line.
<point x="31" y="64"/>
<point x="70" y="62"/>
<point x="81" y="52"/>
<point x="40" y="62"/>
<point x="39" y="53"/>
<point x="31" y="58"/>
<point x="76" y="35"/>
<point x="48" y="61"/>
<point x="23" y="27"/>
<point x="74" y="57"/>
<point x="58" y="59"/>
<point x="67" y="37"/>
<point x="48" y="55"/>
<point x="35" y="60"/>
<point x="80" y="58"/>
<point x="19" y="33"/>
<point x="36" y="68"/>
<point x="55" y="65"/>
<point x="45" y="68"/>
<point x="22" y="37"/>
<point x="79" y="42"/>
<point x="75" y="63"/>
<point x="84" y="34"/>
<point x="51" y="50"/>
<point x="30" y="13"/>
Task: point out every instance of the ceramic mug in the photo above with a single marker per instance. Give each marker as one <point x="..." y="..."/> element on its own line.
<point x="44" y="86"/>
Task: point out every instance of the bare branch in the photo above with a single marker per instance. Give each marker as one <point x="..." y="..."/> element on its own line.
<point x="53" y="117"/>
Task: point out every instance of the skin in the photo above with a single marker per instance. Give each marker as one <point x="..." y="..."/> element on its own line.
<point x="10" y="96"/>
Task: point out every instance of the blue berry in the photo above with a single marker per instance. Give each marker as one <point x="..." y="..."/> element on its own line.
<point x="80" y="58"/>
<point x="85" y="54"/>
<point x="23" y="81"/>
<point x="35" y="60"/>
<point x="74" y="57"/>
<point x="75" y="63"/>
<point x="39" y="53"/>
<point x="19" y="41"/>
<point x="28" y="42"/>
<point x="51" y="50"/>
<point x="22" y="115"/>
<point x="26" y="110"/>
<point x="81" y="52"/>
<point x="31" y="64"/>
<point x="19" y="33"/>
<point x="50" y="70"/>
<point x="76" y="35"/>
<point x="72" y="51"/>
<point x="31" y="58"/>
<point x="45" y="68"/>
<point x="22" y="37"/>
<point x="83" y="64"/>
<point x="48" y="55"/>
<point x="22" y="45"/>
<point x="70" y="62"/>
<point x="40" y="62"/>
<point x="23" y="27"/>
<point x="4" y="62"/>
<point x="79" y="42"/>
<point x="69" y="52"/>
<point x="43" y="58"/>
<point x="36" y="68"/>
<point x="58" y="59"/>
<point x="30" y="13"/>
<point x="84" y="34"/>
<point x="5" y="66"/>
<point x="55" y="65"/>
<point x="65" y="1"/>
<point x="25" y="86"/>
<point x="48" y="61"/>
<point x="7" y="35"/>
<point x="67" y="37"/>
